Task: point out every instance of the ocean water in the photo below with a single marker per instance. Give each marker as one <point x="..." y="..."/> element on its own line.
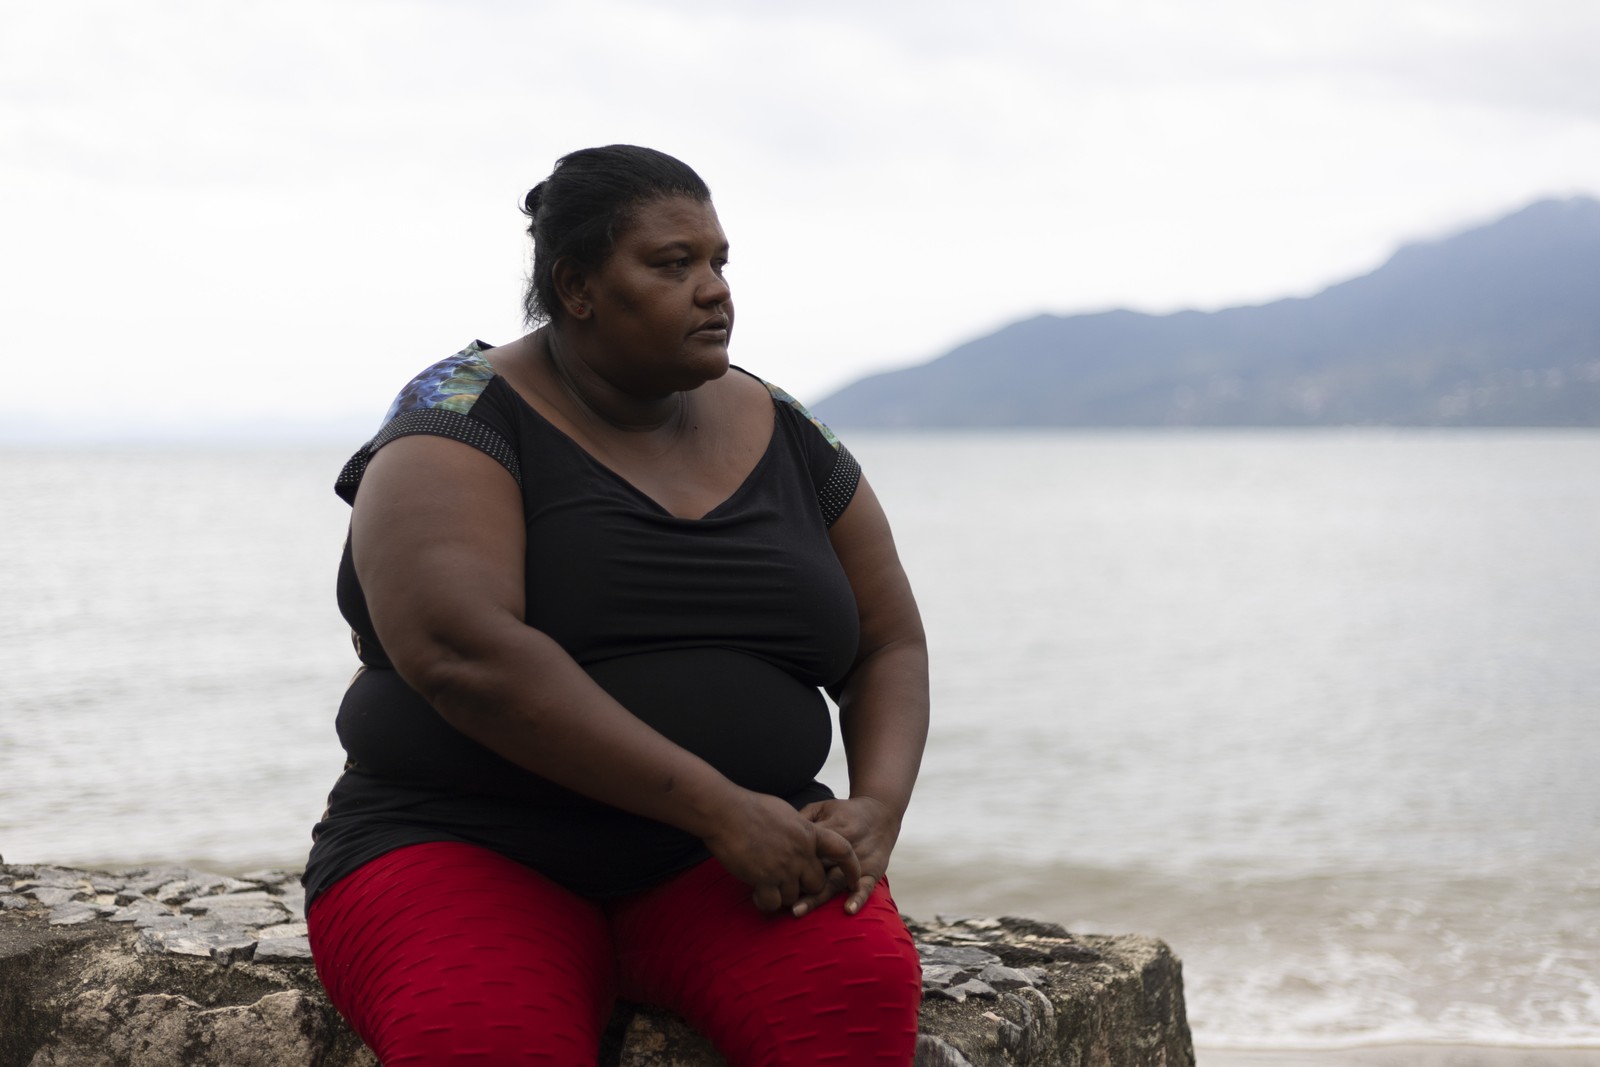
<point x="1317" y="708"/>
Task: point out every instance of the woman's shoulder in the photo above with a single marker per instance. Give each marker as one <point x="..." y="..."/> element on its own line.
<point x="834" y="471"/>
<point x="453" y="384"/>
<point x="443" y="401"/>
<point x="787" y="404"/>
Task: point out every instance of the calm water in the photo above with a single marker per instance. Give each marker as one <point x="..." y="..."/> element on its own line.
<point x="1317" y="708"/>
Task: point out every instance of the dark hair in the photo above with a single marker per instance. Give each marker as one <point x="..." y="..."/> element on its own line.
<point x="589" y="199"/>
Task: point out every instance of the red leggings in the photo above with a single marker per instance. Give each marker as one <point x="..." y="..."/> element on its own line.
<point x="446" y="953"/>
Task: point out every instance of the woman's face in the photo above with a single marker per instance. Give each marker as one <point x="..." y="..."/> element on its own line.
<point x="660" y="305"/>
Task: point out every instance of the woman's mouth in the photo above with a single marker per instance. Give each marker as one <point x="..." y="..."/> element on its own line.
<point x="713" y="329"/>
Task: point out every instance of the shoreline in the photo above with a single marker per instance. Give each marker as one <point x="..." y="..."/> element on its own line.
<point x="1402" y="1055"/>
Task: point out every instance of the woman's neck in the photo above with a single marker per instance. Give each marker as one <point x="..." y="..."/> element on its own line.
<point x="596" y="399"/>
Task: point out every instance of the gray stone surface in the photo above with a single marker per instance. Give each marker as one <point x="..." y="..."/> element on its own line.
<point x="72" y="913"/>
<point x="138" y="909"/>
<point x="284" y="949"/>
<point x="173" y="968"/>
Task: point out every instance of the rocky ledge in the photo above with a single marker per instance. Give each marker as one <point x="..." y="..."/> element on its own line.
<point x="160" y="967"/>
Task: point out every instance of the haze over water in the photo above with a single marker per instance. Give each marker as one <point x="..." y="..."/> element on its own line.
<point x="1315" y="707"/>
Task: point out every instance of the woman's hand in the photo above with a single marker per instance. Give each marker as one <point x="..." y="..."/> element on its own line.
<point x="871" y="828"/>
<point x="785" y="856"/>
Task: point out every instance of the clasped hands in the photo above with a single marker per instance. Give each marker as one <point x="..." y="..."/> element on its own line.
<point x="797" y="860"/>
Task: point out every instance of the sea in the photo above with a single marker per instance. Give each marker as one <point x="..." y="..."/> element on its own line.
<point x="1319" y="708"/>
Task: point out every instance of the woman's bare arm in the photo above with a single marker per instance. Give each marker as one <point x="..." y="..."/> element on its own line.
<point x="438" y="542"/>
<point x="883" y="701"/>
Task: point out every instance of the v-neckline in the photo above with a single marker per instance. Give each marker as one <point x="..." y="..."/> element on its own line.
<point x="618" y="477"/>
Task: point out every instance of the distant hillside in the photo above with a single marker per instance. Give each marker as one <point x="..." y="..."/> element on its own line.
<point x="1496" y="326"/>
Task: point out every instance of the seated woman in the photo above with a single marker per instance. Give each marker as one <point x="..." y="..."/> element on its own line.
<point x="595" y="582"/>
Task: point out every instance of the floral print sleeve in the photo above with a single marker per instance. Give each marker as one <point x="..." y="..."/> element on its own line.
<point x="439" y="401"/>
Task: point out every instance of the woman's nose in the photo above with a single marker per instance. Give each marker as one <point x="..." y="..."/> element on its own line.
<point x="713" y="291"/>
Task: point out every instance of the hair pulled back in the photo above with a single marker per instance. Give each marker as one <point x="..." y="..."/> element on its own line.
<point x="589" y="199"/>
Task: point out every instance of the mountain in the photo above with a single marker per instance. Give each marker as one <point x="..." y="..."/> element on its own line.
<point x="1495" y="326"/>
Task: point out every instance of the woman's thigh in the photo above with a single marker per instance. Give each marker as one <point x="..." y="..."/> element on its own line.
<point x="445" y="953"/>
<point x="772" y="989"/>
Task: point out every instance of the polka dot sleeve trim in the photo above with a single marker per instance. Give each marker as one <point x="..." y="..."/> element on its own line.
<point x="436" y="422"/>
<point x="840" y="488"/>
<point x="844" y="474"/>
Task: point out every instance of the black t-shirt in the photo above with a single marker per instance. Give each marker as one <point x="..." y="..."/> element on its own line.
<point x="716" y="631"/>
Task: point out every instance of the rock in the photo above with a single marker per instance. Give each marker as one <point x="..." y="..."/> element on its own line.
<point x="145" y="880"/>
<point x="140" y="909"/>
<point x="147" y="985"/>
<point x="194" y="940"/>
<point x="165" y="919"/>
<point x="972" y="987"/>
<point x="283" y="949"/>
<point x="959" y="956"/>
<point x="248" y="915"/>
<point x="939" y="975"/>
<point x="283" y="930"/>
<point x="175" y="892"/>
<point x="200" y="905"/>
<point x="50" y="896"/>
<point x="937" y="1052"/>
<point x="72" y="913"/>
<point x="278" y="1030"/>
<point x="1002" y="977"/>
<point x="294" y="898"/>
<point x="1093" y="1000"/>
<point x="54" y="877"/>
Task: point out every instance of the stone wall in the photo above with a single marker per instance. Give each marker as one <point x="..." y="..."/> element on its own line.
<point x="161" y="967"/>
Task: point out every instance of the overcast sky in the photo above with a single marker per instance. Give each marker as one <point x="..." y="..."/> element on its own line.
<point x="226" y="214"/>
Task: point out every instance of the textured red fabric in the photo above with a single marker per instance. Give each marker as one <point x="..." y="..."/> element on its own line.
<point x="445" y="953"/>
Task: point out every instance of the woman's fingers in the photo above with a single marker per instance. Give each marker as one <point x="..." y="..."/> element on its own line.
<point x="813" y="879"/>
<point x="867" y="826"/>
<point x="834" y="851"/>
<point x="834" y="885"/>
<point x="767" y="898"/>
<point x="843" y="870"/>
<point x="858" y="899"/>
<point x="786" y="893"/>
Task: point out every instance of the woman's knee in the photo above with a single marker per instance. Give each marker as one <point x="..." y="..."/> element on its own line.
<point x="826" y="988"/>
<point x="846" y="990"/>
<point x="872" y="954"/>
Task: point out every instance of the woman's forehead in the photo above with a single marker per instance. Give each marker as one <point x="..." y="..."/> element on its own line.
<point x="675" y="218"/>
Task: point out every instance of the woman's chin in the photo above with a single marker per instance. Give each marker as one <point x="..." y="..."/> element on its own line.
<point x="706" y="365"/>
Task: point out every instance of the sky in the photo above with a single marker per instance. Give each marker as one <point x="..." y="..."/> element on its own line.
<point x="262" y="219"/>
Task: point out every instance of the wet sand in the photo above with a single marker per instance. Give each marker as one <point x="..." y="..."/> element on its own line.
<point x="1403" y="1056"/>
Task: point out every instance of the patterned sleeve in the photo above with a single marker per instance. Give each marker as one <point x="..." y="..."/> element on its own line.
<point x="834" y="471"/>
<point x="442" y="401"/>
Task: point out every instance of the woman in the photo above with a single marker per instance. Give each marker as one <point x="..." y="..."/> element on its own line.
<point x="595" y="581"/>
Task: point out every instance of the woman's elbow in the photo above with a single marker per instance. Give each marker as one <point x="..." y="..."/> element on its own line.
<point x="462" y="680"/>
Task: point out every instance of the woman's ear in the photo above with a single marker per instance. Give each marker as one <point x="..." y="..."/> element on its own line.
<point x="572" y="287"/>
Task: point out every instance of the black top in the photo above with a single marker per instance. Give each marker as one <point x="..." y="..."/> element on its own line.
<point x="716" y="631"/>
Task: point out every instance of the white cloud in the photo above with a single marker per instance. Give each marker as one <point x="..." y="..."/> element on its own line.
<point x="288" y="208"/>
